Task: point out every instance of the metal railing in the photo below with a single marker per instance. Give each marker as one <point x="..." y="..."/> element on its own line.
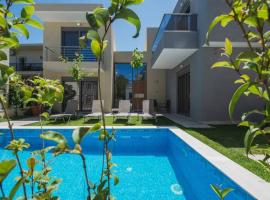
<point x="27" y="66"/>
<point x="175" y="22"/>
<point x="69" y="53"/>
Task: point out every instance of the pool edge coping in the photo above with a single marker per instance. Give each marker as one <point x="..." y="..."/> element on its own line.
<point x="251" y="183"/>
<point x="248" y="181"/>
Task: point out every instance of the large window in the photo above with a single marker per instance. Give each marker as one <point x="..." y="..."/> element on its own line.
<point x="130" y="84"/>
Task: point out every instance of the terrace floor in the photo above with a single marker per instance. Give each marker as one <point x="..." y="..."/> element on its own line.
<point x="20" y="122"/>
<point x="185" y="121"/>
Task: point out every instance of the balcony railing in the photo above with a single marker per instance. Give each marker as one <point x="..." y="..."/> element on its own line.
<point x="69" y="53"/>
<point x="175" y="22"/>
<point x="27" y="66"/>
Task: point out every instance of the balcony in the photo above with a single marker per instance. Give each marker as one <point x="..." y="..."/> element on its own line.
<point x="69" y="53"/>
<point x="175" y="41"/>
<point x="52" y="59"/>
<point x="27" y="67"/>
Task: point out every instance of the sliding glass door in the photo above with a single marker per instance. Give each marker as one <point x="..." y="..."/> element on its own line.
<point x="130" y="84"/>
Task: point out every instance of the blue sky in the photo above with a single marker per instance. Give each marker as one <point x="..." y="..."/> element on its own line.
<point x="150" y="13"/>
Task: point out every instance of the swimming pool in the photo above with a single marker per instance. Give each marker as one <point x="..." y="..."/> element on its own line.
<point x="151" y="164"/>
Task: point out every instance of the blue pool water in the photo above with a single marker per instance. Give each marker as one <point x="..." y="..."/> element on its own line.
<point x="151" y="164"/>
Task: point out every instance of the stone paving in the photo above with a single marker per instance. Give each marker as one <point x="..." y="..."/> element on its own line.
<point x="20" y="122"/>
<point x="185" y="121"/>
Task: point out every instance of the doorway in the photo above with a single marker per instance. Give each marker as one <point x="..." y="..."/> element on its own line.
<point x="84" y="91"/>
<point x="183" y="84"/>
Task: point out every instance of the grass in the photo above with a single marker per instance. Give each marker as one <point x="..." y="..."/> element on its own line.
<point x="228" y="140"/>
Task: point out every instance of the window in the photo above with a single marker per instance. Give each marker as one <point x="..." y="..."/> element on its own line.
<point x="71" y="45"/>
<point x="129" y="84"/>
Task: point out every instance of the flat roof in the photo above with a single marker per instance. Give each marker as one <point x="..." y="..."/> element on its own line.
<point x="66" y="7"/>
<point x="64" y="12"/>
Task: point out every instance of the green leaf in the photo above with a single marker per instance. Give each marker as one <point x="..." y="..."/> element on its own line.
<point x="133" y="2"/>
<point x="102" y="16"/>
<point x="96" y="127"/>
<point x="95" y="47"/>
<point x="226" y="20"/>
<point x="216" y="21"/>
<point x="93" y="35"/>
<point x="56" y="137"/>
<point x="236" y="97"/>
<point x="226" y="191"/>
<point x="10" y="42"/>
<point x="34" y="23"/>
<point x="23" y="1"/>
<point x="27" y="12"/>
<point x="22" y="29"/>
<point x="6" y="166"/>
<point x="45" y="115"/>
<point x="262" y="12"/>
<point x="248" y="57"/>
<point x="31" y="163"/>
<point x="3" y="55"/>
<point x="228" y="47"/>
<point x="254" y="89"/>
<point x="131" y="17"/>
<point x="3" y="22"/>
<point x="91" y="19"/>
<point x="221" y="193"/>
<point x="5" y="73"/>
<point x="216" y="190"/>
<point x="79" y="133"/>
<point x="251" y="21"/>
<point x="16" y="188"/>
<point x="248" y="140"/>
<point x="222" y="64"/>
<point x="105" y="44"/>
<point x="116" y="180"/>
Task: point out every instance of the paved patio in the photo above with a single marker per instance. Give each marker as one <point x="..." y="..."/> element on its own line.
<point x="185" y="121"/>
<point x="20" y="122"/>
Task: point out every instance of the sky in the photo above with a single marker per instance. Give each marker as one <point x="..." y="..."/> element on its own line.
<point x="150" y="13"/>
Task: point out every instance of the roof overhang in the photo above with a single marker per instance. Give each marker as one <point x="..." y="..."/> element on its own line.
<point x="170" y="58"/>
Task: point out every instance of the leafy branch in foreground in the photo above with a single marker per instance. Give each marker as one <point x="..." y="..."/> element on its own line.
<point x="45" y="93"/>
<point x="11" y="27"/>
<point x="221" y="193"/>
<point x="100" y="21"/>
<point x="252" y="65"/>
<point x="62" y="147"/>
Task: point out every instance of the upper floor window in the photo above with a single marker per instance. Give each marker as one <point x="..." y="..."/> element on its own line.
<point x="71" y="46"/>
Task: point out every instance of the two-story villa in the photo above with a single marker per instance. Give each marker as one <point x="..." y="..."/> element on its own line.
<point x="63" y="25"/>
<point x="177" y="71"/>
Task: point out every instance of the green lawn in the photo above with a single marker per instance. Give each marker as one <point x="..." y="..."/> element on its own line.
<point x="228" y="140"/>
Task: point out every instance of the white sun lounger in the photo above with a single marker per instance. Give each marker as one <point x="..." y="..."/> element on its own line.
<point x="96" y="110"/>
<point x="147" y="110"/>
<point x="124" y="110"/>
<point x="71" y="108"/>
